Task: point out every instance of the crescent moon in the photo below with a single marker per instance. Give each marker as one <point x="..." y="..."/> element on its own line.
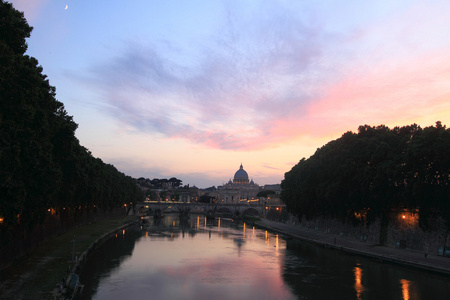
<point x="67" y="6"/>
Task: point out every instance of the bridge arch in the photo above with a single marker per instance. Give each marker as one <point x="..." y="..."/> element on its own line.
<point x="224" y="210"/>
<point x="140" y="209"/>
<point x="251" y="211"/>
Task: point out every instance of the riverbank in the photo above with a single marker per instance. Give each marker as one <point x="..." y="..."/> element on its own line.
<point x="36" y="275"/>
<point x="409" y="258"/>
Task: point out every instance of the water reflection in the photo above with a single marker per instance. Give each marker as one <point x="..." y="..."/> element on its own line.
<point x="120" y="248"/>
<point x="409" y="291"/>
<point x="358" y="282"/>
<point x="405" y="288"/>
<point x="220" y="259"/>
<point x="215" y="263"/>
<point x="314" y="272"/>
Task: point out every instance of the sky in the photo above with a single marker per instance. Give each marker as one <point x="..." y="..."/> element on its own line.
<point x="192" y="89"/>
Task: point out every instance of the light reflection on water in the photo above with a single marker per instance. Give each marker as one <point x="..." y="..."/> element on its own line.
<point x="358" y="279"/>
<point x="201" y="259"/>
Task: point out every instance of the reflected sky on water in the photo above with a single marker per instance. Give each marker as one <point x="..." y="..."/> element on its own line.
<point x="220" y="259"/>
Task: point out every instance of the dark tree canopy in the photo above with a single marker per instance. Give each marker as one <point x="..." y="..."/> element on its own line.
<point x="42" y="164"/>
<point x="265" y="193"/>
<point x="206" y="199"/>
<point x="376" y="170"/>
<point x="14" y="29"/>
<point x="156" y="183"/>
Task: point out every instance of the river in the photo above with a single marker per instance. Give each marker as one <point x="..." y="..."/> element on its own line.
<point x="222" y="259"/>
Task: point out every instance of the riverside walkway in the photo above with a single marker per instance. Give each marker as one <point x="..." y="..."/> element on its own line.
<point x="405" y="257"/>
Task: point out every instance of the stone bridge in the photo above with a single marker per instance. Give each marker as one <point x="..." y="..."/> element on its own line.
<point x="209" y="209"/>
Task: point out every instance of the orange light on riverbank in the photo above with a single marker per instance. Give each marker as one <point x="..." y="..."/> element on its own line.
<point x="1" y="220"/>
<point x="409" y="218"/>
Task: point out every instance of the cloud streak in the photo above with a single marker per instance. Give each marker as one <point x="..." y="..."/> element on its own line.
<point x="271" y="78"/>
<point x="244" y="81"/>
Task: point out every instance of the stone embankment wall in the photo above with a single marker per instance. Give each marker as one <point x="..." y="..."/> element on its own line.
<point x="402" y="231"/>
<point x="72" y="280"/>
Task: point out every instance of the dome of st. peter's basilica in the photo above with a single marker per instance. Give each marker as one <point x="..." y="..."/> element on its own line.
<point x="241" y="176"/>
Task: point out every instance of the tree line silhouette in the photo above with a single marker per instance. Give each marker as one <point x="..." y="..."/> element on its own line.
<point x="373" y="172"/>
<point x="43" y="168"/>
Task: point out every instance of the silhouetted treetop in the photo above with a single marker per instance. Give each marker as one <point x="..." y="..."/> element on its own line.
<point x="14" y="29"/>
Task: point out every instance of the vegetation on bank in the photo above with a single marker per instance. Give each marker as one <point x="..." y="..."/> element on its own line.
<point x="363" y="176"/>
<point x="265" y="193"/>
<point x="43" y="168"/>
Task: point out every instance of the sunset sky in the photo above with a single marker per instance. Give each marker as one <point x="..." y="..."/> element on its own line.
<point x="192" y="89"/>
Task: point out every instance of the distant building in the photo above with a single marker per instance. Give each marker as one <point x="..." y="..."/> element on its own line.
<point x="239" y="190"/>
<point x="183" y="194"/>
<point x="273" y="187"/>
<point x="271" y="199"/>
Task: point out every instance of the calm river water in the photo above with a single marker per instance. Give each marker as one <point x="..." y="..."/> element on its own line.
<point x="221" y="259"/>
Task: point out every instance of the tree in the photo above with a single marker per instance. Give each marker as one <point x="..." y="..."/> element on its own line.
<point x="206" y="199"/>
<point x="374" y="171"/>
<point x="265" y="193"/>
<point x="175" y="182"/>
<point x="27" y="115"/>
<point x="42" y="164"/>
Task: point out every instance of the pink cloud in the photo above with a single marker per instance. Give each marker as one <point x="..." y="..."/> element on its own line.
<point x="388" y="94"/>
<point x="277" y="84"/>
<point x="391" y="92"/>
<point x="394" y="93"/>
<point x="30" y="8"/>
